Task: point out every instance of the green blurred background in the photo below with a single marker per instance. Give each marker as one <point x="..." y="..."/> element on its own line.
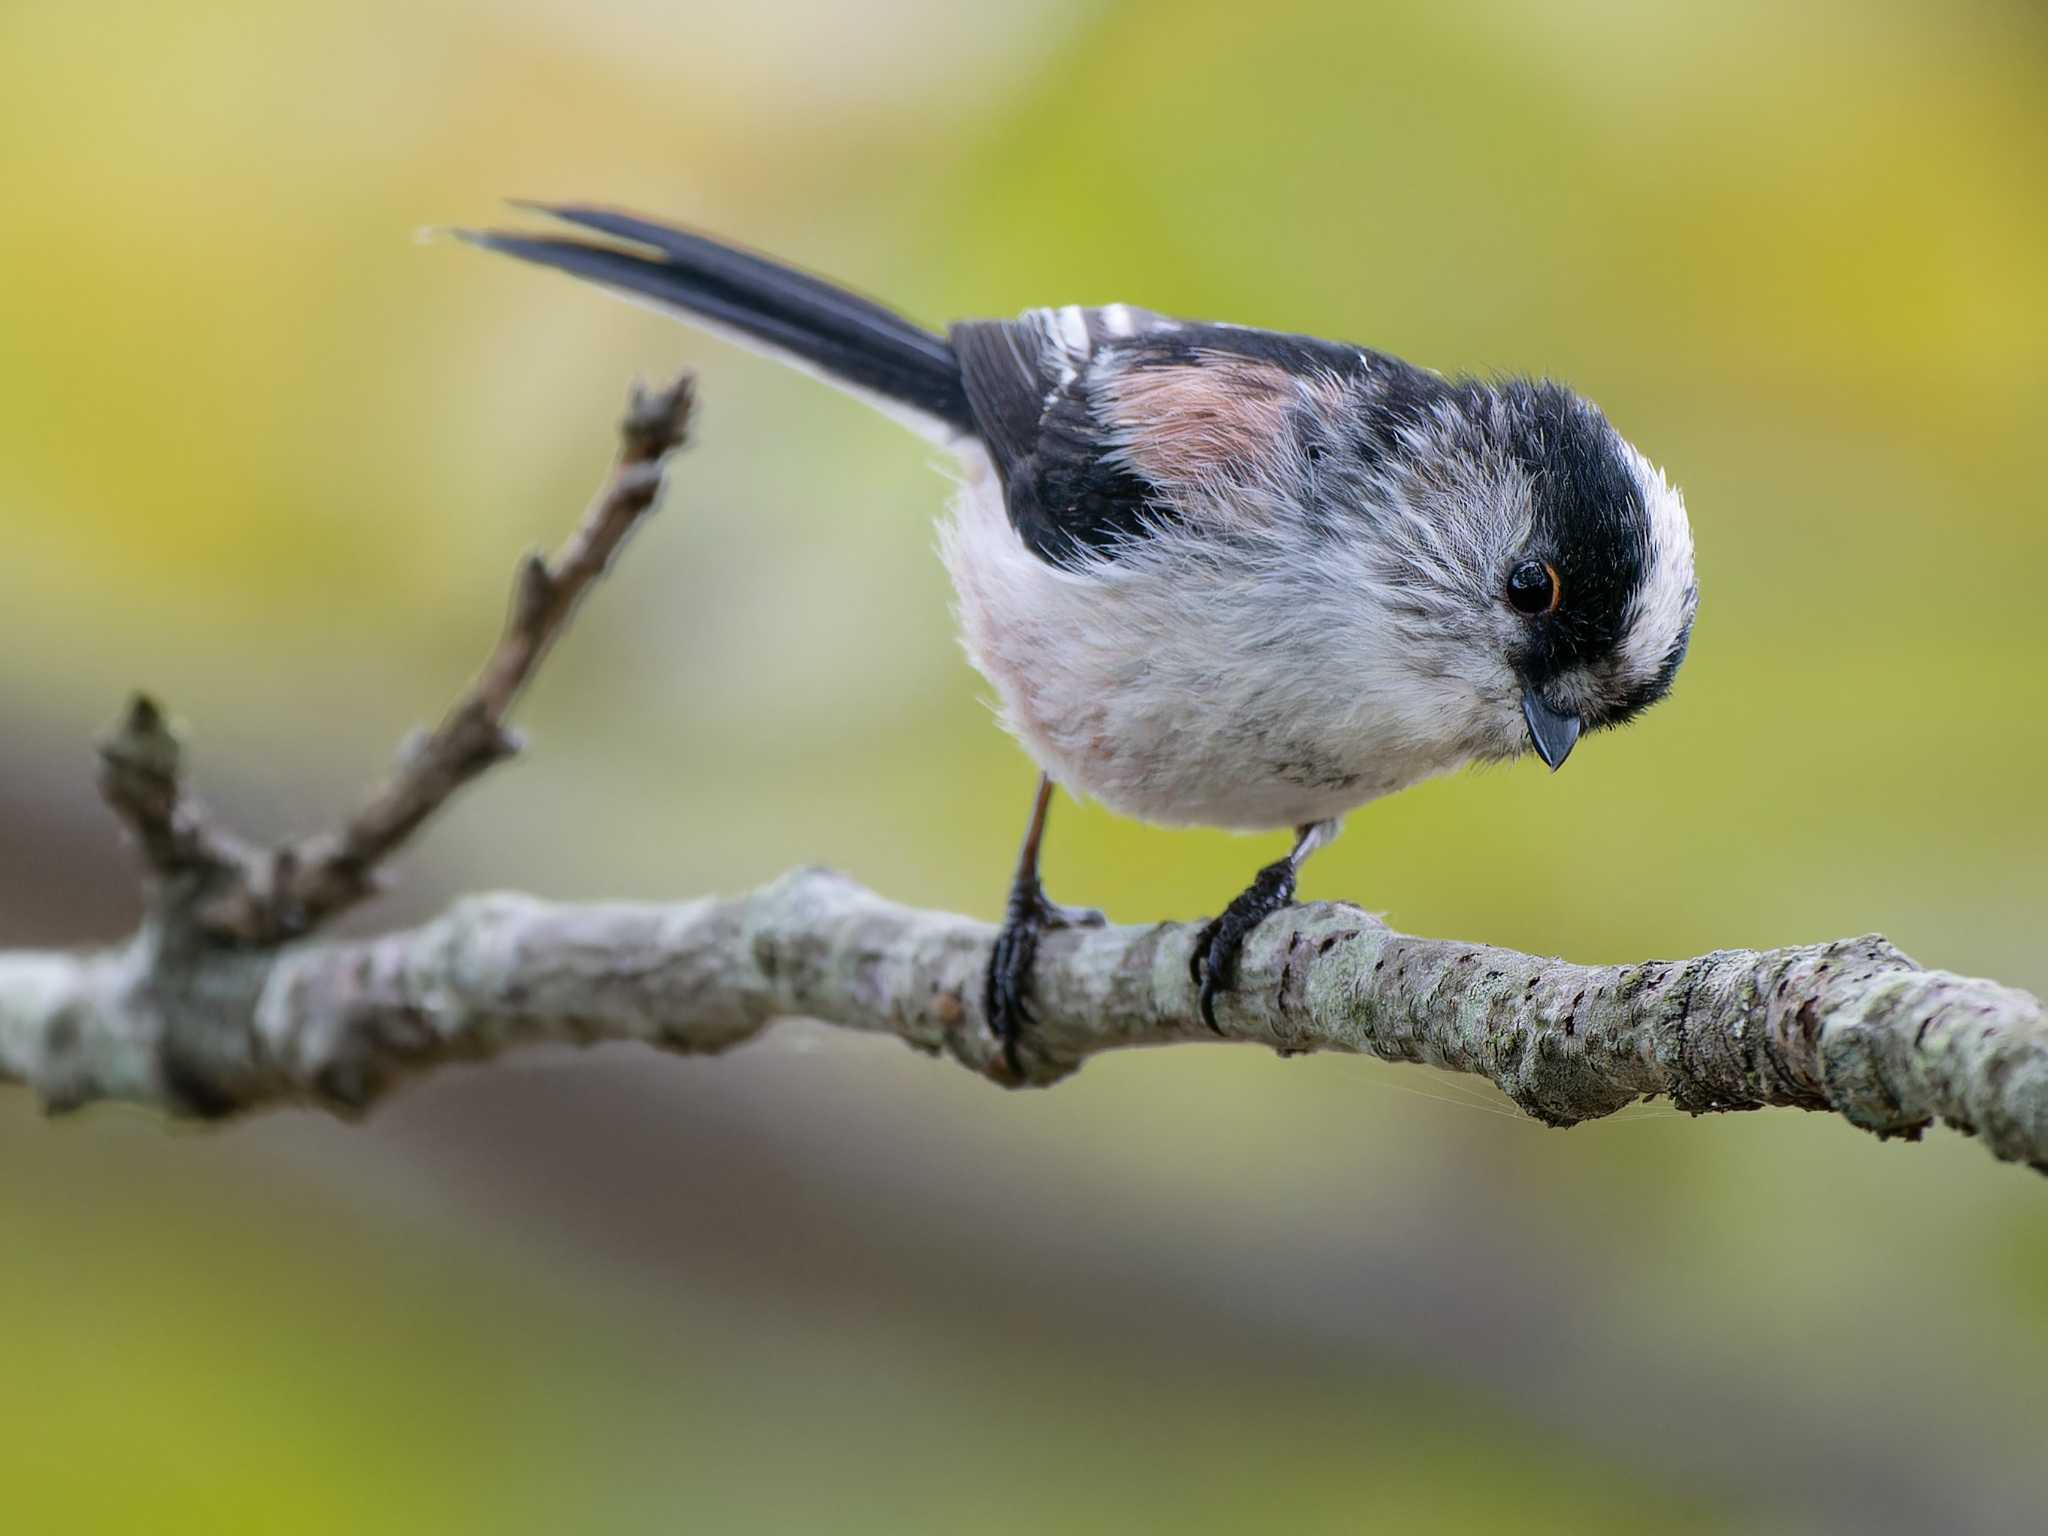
<point x="264" y="453"/>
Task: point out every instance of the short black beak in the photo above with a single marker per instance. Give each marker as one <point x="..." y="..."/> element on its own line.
<point x="1553" y="733"/>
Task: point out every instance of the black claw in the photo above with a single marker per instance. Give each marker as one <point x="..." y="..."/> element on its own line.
<point x="1003" y="998"/>
<point x="1009" y="973"/>
<point x="1213" y="965"/>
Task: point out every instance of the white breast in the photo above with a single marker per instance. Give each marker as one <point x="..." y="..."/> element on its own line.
<point x="1179" y="689"/>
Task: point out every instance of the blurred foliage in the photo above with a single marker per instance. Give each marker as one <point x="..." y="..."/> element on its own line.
<point x="266" y="454"/>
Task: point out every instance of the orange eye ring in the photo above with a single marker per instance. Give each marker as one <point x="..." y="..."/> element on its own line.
<point x="1534" y="589"/>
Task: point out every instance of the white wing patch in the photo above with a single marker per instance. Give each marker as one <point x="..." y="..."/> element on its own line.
<point x="1073" y="331"/>
<point x="1117" y="321"/>
<point x="1073" y="336"/>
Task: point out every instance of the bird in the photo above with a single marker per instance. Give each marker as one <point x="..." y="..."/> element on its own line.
<point x="1224" y="576"/>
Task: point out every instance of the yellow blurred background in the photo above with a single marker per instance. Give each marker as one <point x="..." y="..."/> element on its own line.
<point x="268" y="455"/>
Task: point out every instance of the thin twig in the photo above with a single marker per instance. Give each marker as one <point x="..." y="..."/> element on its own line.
<point x="244" y="896"/>
<point x="141" y="779"/>
<point x="335" y="872"/>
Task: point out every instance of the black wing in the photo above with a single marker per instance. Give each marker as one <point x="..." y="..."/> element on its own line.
<point x="1051" y="394"/>
<point x="1026" y="382"/>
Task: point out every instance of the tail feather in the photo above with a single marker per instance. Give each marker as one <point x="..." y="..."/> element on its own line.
<point x="852" y="341"/>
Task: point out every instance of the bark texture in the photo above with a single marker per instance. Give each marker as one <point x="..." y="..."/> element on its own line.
<point x="1853" y="1026"/>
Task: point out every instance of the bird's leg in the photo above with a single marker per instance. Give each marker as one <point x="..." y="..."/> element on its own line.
<point x="1214" y="963"/>
<point x="1028" y="915"/>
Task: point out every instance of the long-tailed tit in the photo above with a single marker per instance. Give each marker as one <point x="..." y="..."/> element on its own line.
<point x="1224" y="576"/>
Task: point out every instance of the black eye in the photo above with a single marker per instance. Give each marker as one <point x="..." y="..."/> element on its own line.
<point x="1533" y="589"/>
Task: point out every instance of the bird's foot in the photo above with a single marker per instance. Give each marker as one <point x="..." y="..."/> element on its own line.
<point x="1213" y="965"/>
<point x="1004" y="999"/>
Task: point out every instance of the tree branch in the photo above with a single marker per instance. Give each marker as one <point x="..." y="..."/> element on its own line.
<point x="1854" y="1026"/>
<point x="220" y="1005"/>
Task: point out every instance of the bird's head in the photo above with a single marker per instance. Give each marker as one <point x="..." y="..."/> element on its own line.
<point x="1541" y="567"/>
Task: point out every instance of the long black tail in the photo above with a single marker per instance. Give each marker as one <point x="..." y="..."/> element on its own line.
<point x="853" y="341"/>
